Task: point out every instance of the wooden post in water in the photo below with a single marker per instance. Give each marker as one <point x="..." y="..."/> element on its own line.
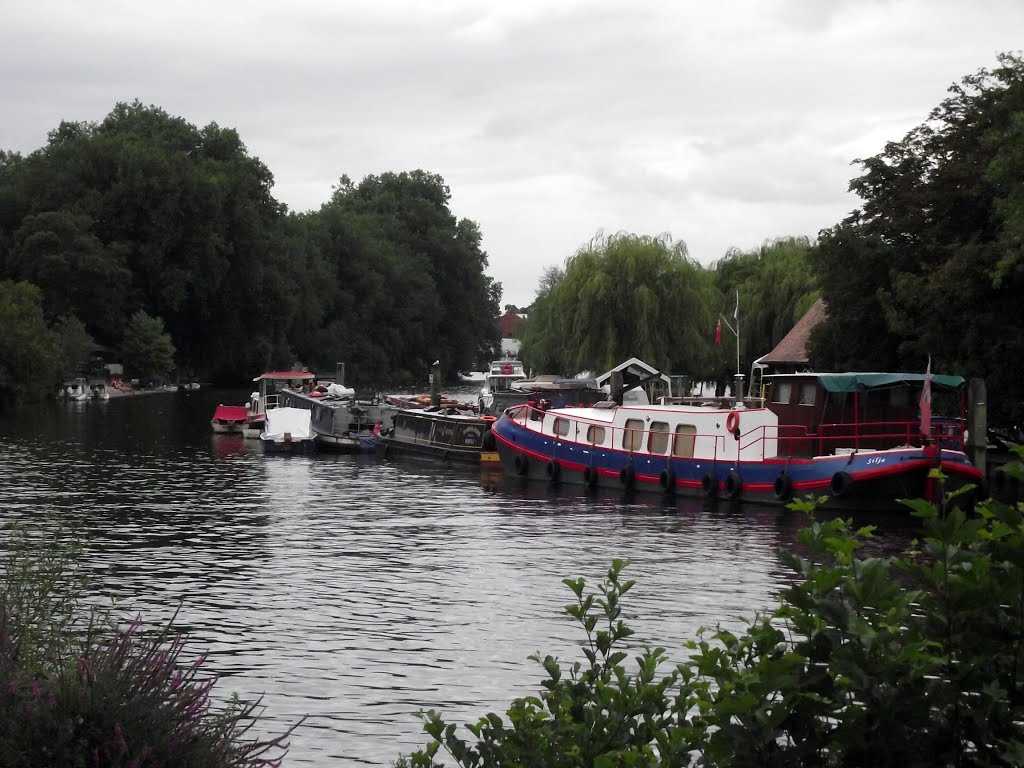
<point x="339" y="374"/>
<point x="435" y="383"/>
<point x="977" y="425"/>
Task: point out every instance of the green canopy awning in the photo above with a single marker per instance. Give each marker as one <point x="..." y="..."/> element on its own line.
<point x="855" y="382"/>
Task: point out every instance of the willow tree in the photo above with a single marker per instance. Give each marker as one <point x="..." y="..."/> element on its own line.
<point x="623" y="296"/>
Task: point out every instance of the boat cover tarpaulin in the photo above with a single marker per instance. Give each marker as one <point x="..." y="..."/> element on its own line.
<point x="231" y="413"/>
<point x="288" y="421"/>
<point x="854" y="382"/>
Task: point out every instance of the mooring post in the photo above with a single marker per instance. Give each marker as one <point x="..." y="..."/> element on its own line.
<point x="739" y="388"/>
<point x="339" y="374"/>
<point x="435" y="383"/>
<point x="977" y="425"/>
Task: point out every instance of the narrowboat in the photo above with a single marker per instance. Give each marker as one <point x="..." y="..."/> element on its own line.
<point x="442" y="434"/>
<point x="862" y="440"/>
<point x="341" y="423"/>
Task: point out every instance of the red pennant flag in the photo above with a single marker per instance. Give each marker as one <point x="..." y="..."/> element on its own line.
<point x="718" y="332"/>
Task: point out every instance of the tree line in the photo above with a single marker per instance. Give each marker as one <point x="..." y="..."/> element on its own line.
<point x="146" y="213"/>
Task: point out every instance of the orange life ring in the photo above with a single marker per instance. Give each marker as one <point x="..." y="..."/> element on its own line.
<point x="732" y="421"/>
<point x="506" y="369"/>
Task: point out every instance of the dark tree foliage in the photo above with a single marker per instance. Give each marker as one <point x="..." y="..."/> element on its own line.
<point x="146" y="212"/>
<point x="936" y="248"/>
<point x="29" y="356"/>
<point x="408" y="279"/>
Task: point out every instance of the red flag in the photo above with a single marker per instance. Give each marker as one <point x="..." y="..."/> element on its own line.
<point x="926" y="402"/>
<point x="718" y="332"/>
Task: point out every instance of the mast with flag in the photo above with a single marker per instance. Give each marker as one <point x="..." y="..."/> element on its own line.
<point x="926" y="402"/>
<point x="735" y="331"/>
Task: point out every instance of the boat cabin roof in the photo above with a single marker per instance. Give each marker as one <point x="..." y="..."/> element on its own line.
<point x="556" y="384"/>
<point x="285" y="376"/>
<point x="858" y="382"/>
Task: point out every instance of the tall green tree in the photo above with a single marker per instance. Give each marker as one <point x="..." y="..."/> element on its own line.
<point x="410" y="284"/>
<point x="939" y="237"/>
<point x="147" y="349"/>
<point x="29" y="359"/>
<point x="621" y="296"/>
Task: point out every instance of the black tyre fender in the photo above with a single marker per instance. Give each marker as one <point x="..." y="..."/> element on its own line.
<point x="667" y="480"/>
<point x="554" y="471"/>
<point x="733" y="485"/>
<point x="522" y="464"/>
<point x="627" y="476"/>
<point x="589" y="477"/>
<point x="783" y="487"/>
<point x="841" y="484"/>
<point x="709" y="485"/>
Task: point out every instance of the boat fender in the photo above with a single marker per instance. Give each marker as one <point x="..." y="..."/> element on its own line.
<point x="783" y="487"/>
<point x="842" y="482"/>
<point x="488" y="441"/>
<point x="627" y="476"/>
<point x="589" y="476"/>
<point x="709" y="484"/>
<point x="446" y="457"/>
<point x="667" y="480"/>
<point x="732" y="423"/>
<point x="387" y="450"/>
<point x="522" y="464"/>
<point x="733" y="485"/>
<point x="554" y="471"/>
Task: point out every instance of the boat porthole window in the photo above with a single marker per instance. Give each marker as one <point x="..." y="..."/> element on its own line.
<point x="562" y="427"/>
<point x="595" y="435"/>
<point x="657" y="438"/>
<point x="633" y="435"/>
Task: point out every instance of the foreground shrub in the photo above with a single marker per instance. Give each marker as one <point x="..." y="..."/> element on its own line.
<point x="94" y="694"/>
<point x="908" y="661"/>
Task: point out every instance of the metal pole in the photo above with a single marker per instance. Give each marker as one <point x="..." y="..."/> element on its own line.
<point x="737" y="319"/>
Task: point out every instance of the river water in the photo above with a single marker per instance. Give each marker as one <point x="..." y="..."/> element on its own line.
<point x="357" y="592"/>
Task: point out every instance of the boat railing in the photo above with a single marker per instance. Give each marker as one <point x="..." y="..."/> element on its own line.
<point x="762" y="441"/>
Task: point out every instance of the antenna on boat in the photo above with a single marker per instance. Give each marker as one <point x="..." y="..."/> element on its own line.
<point x="736" y="333"/>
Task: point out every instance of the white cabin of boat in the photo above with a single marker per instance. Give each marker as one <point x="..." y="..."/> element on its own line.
<point x="677" y="430"/>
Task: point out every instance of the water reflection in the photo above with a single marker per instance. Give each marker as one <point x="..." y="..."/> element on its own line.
<point x="359" y="591"/>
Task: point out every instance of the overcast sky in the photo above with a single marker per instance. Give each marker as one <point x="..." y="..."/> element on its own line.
<point x="724" y="123"/>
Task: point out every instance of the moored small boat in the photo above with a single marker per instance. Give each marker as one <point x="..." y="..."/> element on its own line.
<point x="271" y="385"/>
<point x="229" y="419"/>
<point x="288" y="431"/>
<point x="500" y="377"/>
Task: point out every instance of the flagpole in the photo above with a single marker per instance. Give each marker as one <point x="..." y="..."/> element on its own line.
<point x="736" y="317"/>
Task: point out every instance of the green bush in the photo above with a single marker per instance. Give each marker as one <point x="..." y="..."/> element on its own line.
<point x="909" y="661"/>
<point x="78" y="691"/>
